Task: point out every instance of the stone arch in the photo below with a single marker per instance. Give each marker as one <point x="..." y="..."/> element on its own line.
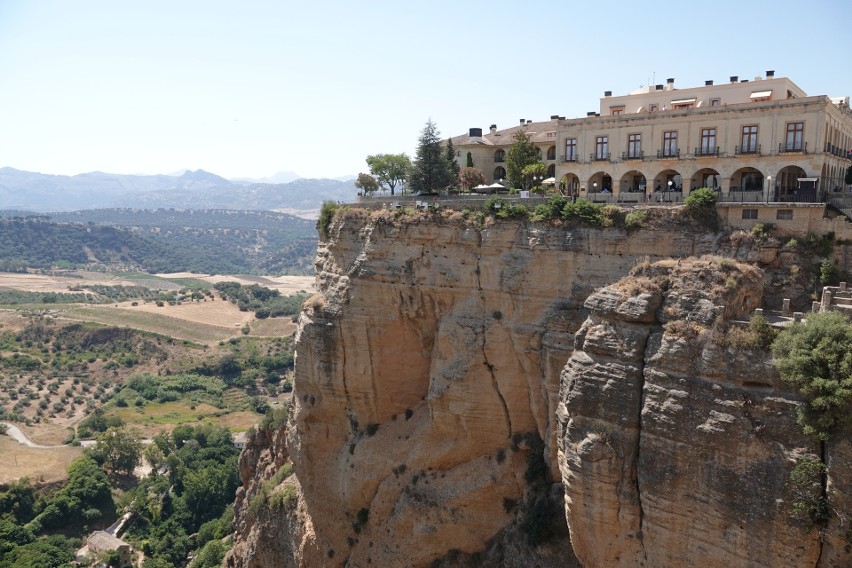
<point x="570" y="184"/>
<point x="499" y="173"/>
<point x="551" y="153"/>
<point x="706" y="177"/>
<point x="551" y="171"/>
<point x="786" y="182"/>
<point x="599" y="182"/>
<point x="633" y="181"/>
<point x="747" y="179"/>
<point x="662" y="179"/>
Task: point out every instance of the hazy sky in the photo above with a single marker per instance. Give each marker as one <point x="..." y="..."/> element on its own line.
<point x="249" y="88"/>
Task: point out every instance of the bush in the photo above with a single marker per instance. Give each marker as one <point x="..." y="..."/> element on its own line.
<point x="327" y="212"/>
<point x="636" y="219"/>
<point x="814" y="357"/>
<point x="703" y="198"/>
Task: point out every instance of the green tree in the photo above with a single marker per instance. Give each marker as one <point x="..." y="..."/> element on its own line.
<point x="389" y="170"/>
<point x="532" y="173"/>
<point x="522" y="153"/>
<point x="366" y="183"/>
<point x="469" y="160"/>
<point x="455" y="169"/>
<point x="814" y="357"/>
<point x="471" y="177"/>
<point x="430" y="172"/>
<point x="119" y="450"/>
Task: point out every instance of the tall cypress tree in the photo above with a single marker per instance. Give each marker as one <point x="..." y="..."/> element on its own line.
<point x="430" y="172"/>
<point x="455" y="169"/>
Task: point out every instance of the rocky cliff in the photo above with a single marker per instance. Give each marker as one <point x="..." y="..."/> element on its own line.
<point x="467" y="390"/>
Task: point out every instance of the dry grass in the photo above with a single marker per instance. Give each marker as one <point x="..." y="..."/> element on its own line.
<point x="151" y="321"/>
<point x="273" y="327"/>
<point x="47" y="464"/>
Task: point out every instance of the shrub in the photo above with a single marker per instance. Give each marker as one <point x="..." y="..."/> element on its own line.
<point x="814" y="357"/>
<point x="827" y="274"/>
<point x="636" y="219"/>
<point x="701" y="206"/>
<point x="805" y="482"/>
<point x="327" y="212"/>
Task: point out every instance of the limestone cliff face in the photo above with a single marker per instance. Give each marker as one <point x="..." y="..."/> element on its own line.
<point x="428" y="389"/>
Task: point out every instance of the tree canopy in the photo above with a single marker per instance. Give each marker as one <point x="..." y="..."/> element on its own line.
<point x="366" y="183"/>
<point x="119" y="450"/>
<point x="455" y="169"/>
<point x="471" y="177"/>
<point x="430" y="172"/>
<point x="522" y="153"/>
<point x="814" y="356"/>
<point x="389" y="170"/>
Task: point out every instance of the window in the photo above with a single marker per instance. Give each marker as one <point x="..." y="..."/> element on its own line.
<point x="500" y="156"/>
<point x="634" y="146"/>
<point x="602" y="148"/>
<point x="551" y="153"/>
<point x="784" y="214"/>
<point x="653" y="108"/>
<point x="793" y="141"/>
<point x="570" y="149"/>
<point x="749" y="140"/>
<point x="749" y="213"/>
<point x="708" y="141"/>
<point x="715" y="102"/>
<point x="670" y="143"/>
<point x="616" y="110"/>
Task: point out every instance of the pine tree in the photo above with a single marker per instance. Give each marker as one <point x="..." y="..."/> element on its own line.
<point x="455" y="169"/>
<point x="430" y="172"/>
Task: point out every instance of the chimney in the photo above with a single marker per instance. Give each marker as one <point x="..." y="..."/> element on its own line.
<point x="523" y="121"/>
<point x="770" y="74"/>
<point x="734" y="78"/>
<point x="670" y="84"/>
<point x="529" y="121"/>
<point x="658" y="87"/>
<point x="708" y="83"/>
<point x="475" y="133"/>
<point x="607" y="93"/>
<point x="493" y="129"/>
<point x="554" y="117"/>
<point x="592" y="113"/>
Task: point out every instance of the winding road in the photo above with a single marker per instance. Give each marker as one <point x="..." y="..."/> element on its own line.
<point x="17" y="434"/>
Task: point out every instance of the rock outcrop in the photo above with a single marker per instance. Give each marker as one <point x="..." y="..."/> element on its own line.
<point x="433" y="423"/>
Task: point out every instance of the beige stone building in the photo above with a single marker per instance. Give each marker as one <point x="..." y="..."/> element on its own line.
<point x="751" y="140"/>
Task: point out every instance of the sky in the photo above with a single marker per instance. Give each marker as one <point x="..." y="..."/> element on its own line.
<point x="250" y="88"/>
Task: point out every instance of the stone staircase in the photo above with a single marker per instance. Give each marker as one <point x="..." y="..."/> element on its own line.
<point x="835" y="298"/>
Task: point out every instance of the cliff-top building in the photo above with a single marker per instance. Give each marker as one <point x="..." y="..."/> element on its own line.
<point x="759" y="139"/>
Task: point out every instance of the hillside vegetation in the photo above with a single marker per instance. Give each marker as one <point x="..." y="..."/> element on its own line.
<point x="213" y="242"/>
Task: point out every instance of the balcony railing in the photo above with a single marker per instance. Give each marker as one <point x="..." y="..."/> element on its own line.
<point x="707" y="152"/>
<point x="794" y="147"/>
<point x="753" y="150"/>
<point x="568" y="158"/>
<point x="670" y="154"/>
<point x="632" y="155"/>
<point x="602" y="157"/>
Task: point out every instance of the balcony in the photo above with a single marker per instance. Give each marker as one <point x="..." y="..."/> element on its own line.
<point x="633" y="155"/>
<point x="747" y="150"/>
<point x="602" y="157"/>
<point x="792" y="148"/>
<point x="568" y="158"/>
<point x="707" y="152"/>
<point x="668" y="154"/>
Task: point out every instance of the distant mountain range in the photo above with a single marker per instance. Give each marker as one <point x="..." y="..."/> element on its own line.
<point x="191" y="190"/>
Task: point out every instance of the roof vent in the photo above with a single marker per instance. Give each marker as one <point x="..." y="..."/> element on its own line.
<point x="476" y="133"/>
<point x="607" y="93"/>
<point x="523" y="120"/>
<point x="592" y="113"/>
<point x="734" y="78"/>
<point x="554" y="117"/>
<point x="770" y="73"/>
<point x="658" y="87"/>
<point x="529" y="122"/>
<point x="493" y="128"/>
<point x="708" y="83"/>
<point x="744" y="81"/>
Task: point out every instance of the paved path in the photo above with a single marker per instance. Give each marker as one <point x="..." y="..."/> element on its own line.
<point x="15" y="432"/>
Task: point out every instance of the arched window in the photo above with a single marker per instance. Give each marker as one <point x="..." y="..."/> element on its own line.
<point x="500" y="156"/>
<point x="499" y="173"/>
<point x="551" y="153"/>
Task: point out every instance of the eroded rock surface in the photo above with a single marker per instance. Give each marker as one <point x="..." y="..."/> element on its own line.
<point x="428" y="389"/>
